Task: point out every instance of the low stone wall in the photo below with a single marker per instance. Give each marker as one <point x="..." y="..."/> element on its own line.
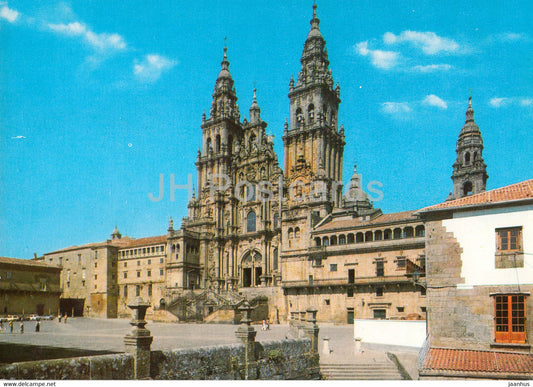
<point x="277" y="360"/>
<point x="104" y="367"/>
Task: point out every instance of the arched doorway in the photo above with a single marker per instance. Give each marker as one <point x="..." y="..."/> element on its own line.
<point x="251" y="269"/>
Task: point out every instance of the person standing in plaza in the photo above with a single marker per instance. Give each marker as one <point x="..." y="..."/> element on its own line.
<point x="11" y="326"/>
<point x="65" y="318"/>
<point x="38" y="326"/>
<point x="21" y="327"/>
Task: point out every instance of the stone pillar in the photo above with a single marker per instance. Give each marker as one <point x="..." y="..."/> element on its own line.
<point x="311" y="328"/>
<point x="138" y="341"/>
<point x="246" y="333"/>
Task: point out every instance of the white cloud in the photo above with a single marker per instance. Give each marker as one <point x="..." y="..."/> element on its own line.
<point x="102" y="42"/>
<point x="432" y="68"/>
<point x="151" y="67"/>
<point x="9" y="14"/>
<point x="395" y="107"/>
<point x="18" y="137"/>
<point x="433" y="100"/>
<point x="429" y="42"/>
<point x="381" y="59"/>
<point x="509" y="37"/>
<point x="499" y="102"/>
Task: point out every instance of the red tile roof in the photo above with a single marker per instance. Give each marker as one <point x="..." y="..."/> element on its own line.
<point x="144" y="241"/>
<point x="459" y="360"/>
<point x="518" y="191"/>
<point x="26" y="262"/>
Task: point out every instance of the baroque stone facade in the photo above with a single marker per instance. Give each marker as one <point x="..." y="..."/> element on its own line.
<point x="255" y="230"/>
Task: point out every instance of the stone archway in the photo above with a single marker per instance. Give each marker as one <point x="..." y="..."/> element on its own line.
<point x="251" y="269"/>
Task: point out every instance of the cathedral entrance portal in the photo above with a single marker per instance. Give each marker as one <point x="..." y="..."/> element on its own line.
<point x="251" y="269"/>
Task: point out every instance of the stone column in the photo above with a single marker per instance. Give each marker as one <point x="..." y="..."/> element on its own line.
<point x="246" y="333"/>
<point x="138" y="341"/>
<point x="311" y="328"/>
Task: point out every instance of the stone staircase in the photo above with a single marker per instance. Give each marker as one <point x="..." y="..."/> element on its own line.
<point x="379" y="370"/>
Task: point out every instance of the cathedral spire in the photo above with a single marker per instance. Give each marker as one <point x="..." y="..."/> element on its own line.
<point x="255" y="111"/>
<point x="469" y="170"/>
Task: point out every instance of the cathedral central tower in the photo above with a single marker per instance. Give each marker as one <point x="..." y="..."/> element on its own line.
<point x="313" y="143"/>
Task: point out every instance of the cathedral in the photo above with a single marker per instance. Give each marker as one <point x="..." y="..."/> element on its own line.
<point x="290" y="238"/>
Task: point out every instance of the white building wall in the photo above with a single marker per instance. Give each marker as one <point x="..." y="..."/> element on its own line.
<point x="476" y="233"/>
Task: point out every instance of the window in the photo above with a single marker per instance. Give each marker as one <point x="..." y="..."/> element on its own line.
<point x="125" y="290"/>
<point x="326" y="301"/>
<point x="342" y="239"/>
<point x="510" y="318"/>
<point x="83" y="283"/>
<point x="95" y="276"/>
<point x="275" y="260"/>
<point x="160" y="271"/>
<point x="509" y="252"/>
<point x="138" y="274"/>
<point x="125" y="264"/>
<point x="333" y="267"/>
<point x="400" y="309"/>
<point x="160" y="260"/>
<point x="400" y="262"/>
<point x="349" y="292"/>
<point x="379" y="292"/>
<point x="125" y="275"/>
<point x="380" y="269"/>
<point x="149" y="273"/>
<point x="351" y="276"/>
<point x="509" y="239"/>
<point x="297" y="233"/>
<point x="380" y="313"/>
<point x="250" y="222"/>
<point x="149" y="261"/>
<point x="150" y="290"/>
<point x="138" y="263"/>
<point x="137" y="290"/>
<point x="96" y="264"/>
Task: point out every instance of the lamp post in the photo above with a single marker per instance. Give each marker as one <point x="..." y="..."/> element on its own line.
<point x="416" y="279"/>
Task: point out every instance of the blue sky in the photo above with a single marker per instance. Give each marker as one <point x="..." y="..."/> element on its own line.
<point x="98" y="98"/>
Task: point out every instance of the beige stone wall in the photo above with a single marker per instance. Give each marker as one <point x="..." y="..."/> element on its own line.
<point x="27" y="289"/>
<point x="142" y="268"/>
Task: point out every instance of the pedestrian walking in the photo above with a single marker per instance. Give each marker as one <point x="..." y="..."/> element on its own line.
<point x="21" y="327"/>
<point x="38" y="326"/>
<point x="11" y="326"/>
<point x="65" y="319"/>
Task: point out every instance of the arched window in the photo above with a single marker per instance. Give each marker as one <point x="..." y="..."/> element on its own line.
<point x="369" y="236"/>
<point x="207" y="145"/>
<point x="325" y="241"/>
<point x="387" y="234"/>
<point x="359" y="237"/>
<point x="276" y="220"/>
<point x="250" y="192"/>
<point x="290" y="233"/>
<point x="342" y="239"/>
<point x="217" y="143"/>
<point x="408" y="232"/>
<point x="275" y="259"/>
<point x="299" y="116"/>
<point x="378" y="235"/>
<point x="297" y="233"/>
<point x="475" y="156"/>
<point x="333" y="240"/>
<point x="420" y="231"/>
<point x="467" y="188"/>
<point x="397" y="233"/>
<point x="311" y="112"/>
<point x="467" y="158"/>
<point x="318" y="241"/>
<point x="250" y="222"/>
<point x="351" y="238"/>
